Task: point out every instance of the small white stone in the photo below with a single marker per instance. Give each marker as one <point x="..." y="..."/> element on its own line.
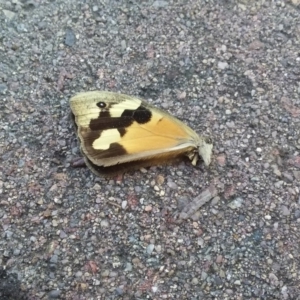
<point x="124" y="204"/>
<point x="224" y="48"/>
<point x="222" y="65"/>
<point x="150" y="248"/>
<point x="236" y="203"/>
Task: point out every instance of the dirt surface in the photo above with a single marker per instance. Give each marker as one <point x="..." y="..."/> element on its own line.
<point x="230" y="70"/>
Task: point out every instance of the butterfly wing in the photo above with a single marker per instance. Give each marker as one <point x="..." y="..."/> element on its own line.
<point x="115" y="129"/>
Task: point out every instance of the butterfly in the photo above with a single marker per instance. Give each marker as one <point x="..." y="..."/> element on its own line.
<point x="118" y="132"/>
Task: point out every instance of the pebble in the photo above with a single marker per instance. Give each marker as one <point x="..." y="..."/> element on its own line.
<point x="78" y="274"/>
<point x="160" y="179"/>
<point x="96" y="282"/>
<point x="104" y="224"/>
<point x="124" y="204"/>
<point x="172" y="185"/>
<point x="54" y="259"/>
<point x="70" y="38"/>
<point x="219" y="259"/>
<point x="285" y="211"/>
<point x="54" y="223"/>
<point x="119" y="291"/>
<point x="222" y="65"/>
<point x="288" y="176"/>
<point x="17" y="252"/>
<point x="54" y="294"/>
<point x="105" y="273"/>
<point x="203" y="275"/>
<point x="158" y="248"/>
<point x="8" y="14"/>
<point x="200" y="242"/>
<point x="128" y="267"/>
<point x="279" y="184"/>
<point x="113" y="274"/>
<point x="9" y="234"/>
<point x="236" y="203"/>
<point x="123" y="45"/>
<point x="137" y="189"/>
<point x="150" y="248"/>
<point x="215" y="201"/>
<point x="62" y="234"/>
<point x="148" y="208"/>
<point x="97" y="187"/>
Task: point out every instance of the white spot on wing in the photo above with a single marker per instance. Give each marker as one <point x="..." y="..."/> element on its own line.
<point x="107" y="137"/>
<point x="117" y="109"/>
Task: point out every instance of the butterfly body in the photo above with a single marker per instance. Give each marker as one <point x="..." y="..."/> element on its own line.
<point x="119" y="132"/>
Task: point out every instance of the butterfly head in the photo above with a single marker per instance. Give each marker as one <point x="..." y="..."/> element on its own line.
<point x="205" y="146"/>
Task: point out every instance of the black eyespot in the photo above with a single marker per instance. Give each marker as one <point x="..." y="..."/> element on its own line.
<point x="101" y="104"/>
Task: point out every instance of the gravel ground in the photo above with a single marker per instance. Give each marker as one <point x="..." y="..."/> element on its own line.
<point x="231" y="70"/>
